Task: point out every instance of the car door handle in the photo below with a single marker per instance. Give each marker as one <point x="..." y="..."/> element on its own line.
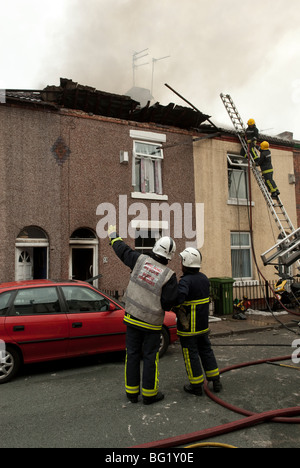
<point x="77" y="325"/>
<point x="19" y="328"/>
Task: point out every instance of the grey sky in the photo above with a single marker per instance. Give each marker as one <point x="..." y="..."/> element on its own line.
<point x="250" y="50"/>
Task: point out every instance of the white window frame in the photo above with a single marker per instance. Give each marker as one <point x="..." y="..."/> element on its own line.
<point x="231" y="158"/>
<point x="85" y="244"/>
<point x="29" y="244"/>
<point x="234" y="163"/>
<point x="151" y="181"/>
<point x="239" y="248"/>
<point x="158" y="228"/>
<point x="149" y="167"/>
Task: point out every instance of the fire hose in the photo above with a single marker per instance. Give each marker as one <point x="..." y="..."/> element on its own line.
<point x="286" y="415"/>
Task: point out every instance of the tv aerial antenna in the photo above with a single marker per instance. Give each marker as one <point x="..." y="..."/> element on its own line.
<point x="138" y="56"/>
<point x="154" y="60"/>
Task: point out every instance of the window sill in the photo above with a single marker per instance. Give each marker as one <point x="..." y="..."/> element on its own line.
<point x="239" y="202"/>
<point x="149" y="196"/>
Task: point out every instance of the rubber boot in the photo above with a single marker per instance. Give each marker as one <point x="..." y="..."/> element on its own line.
<point x="154" y="399"/>
<point x="217" y="386"/>
<point x="193" y="390"/>
<point x="132" y="398"/>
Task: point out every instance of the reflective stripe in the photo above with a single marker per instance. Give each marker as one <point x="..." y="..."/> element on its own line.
<point x="193" y="305"/>
<point x="138" y="323"/>
<point x="193" y="327"/>
<point x="255" y="155"/>
<point x="128" y="388"/>
<point x="193" y="380"/>
<point x="187" y="361"/>
<point x="132" y="390"/>
<point x="212" y="373"/>
<point x="197" y="302"/>
<point x="193" y="318"/>
<point x="202" y="332"/>
<point x="149" y="393"/>
<point x="268" y="171"/>
<point x="272" y="189"/>
<point x="146" y="392"/>
<point x="116" y="239"/>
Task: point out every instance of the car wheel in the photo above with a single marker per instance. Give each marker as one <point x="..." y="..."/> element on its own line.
<point x="9" y="364"/>
<point x="164" y="341"/>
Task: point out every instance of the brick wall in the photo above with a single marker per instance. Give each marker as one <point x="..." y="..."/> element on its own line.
<point x="60" y="198"/>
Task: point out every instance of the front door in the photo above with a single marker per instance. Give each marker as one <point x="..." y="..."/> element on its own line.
<point x="31" y="263"/>
<point x="24" y="264"/>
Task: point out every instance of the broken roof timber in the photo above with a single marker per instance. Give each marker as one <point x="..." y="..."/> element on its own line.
<point x="71" y="95"/>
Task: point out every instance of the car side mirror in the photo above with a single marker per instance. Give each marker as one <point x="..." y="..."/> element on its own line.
<point x="111" y="307"/>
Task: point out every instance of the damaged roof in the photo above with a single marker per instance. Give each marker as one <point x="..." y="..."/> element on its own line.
<point x="71" y="95"/>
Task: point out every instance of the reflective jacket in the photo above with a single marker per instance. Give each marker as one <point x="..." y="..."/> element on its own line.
<point x="152" y="288"/>
<point x="252" y="134"/>
<point x="265" y="161"/>
<point x="193" y="297"/>
<point x="143" y="294"/>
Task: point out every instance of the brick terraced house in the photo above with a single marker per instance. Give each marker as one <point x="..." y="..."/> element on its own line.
<point x="74" y="159"/>
<point x="69" y="152"/>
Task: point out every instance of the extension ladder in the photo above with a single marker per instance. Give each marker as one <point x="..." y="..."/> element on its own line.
<point x="286" y="250"/>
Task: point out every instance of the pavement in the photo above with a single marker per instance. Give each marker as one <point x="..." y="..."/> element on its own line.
<point x="255" y="321"/>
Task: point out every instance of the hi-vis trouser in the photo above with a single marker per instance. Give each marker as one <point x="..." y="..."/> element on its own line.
<point x="252" y="150"/>
<point x="269" y="181"/>
<point x="140" y="340"/>
<point x="194" y="349"/>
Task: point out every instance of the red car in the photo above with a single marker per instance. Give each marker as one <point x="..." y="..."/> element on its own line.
<point x="42" y="320"/>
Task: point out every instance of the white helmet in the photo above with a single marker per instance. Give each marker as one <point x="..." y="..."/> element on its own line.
<point x="191" y="258"/>
<point x="165" y="247"/>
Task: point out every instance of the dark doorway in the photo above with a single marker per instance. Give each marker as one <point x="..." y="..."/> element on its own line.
<point x="40" y="263"/>
<point x="82" y="263"/>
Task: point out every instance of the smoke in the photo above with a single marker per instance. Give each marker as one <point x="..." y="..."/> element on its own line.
<point x="248" y="49"/>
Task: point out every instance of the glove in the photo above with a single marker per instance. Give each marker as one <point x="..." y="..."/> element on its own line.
<point x="113" y="235"/>
<point x="112" y="230"/>
<point x="182" y="316"/>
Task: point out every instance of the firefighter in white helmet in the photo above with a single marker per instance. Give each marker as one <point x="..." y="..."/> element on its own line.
<point x="193" y="329"/>
<point x="151" y="291"/>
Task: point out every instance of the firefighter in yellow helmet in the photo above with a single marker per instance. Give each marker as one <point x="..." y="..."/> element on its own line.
<point x="251" y="132"/>
<point x="265" y="163"/>
<point x="251" y="136"/>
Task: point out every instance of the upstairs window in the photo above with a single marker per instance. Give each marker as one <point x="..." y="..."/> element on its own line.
<point x="237" y="177"/>
<point x="147" y="167"/>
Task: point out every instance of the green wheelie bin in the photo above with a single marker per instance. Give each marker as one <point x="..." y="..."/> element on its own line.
<point x="221" y="292"/>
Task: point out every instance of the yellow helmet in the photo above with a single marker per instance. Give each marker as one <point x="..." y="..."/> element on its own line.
<point x="264" y="145"/>
<point x="251" y="122"/>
